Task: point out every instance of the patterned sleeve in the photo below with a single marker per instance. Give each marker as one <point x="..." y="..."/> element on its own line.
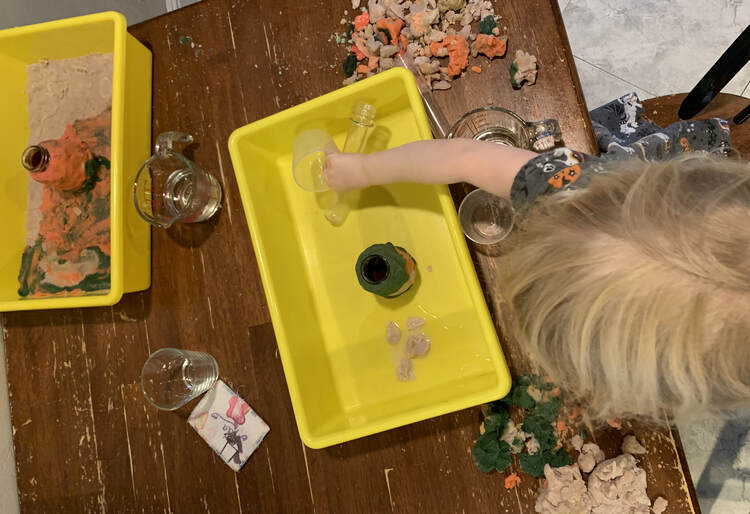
<point x="550" y="172"/>
<point x="563" y="168"/>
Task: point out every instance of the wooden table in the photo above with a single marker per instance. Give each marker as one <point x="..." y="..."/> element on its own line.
<point x="85" y="438"/>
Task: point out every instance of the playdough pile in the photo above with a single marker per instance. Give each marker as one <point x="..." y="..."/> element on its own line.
<point x="68" y="218"/>
<point x="429" y="31"/>
<point x="614" y="486"/>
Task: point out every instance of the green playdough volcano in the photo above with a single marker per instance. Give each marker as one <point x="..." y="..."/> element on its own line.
<point x="386" y="270"/>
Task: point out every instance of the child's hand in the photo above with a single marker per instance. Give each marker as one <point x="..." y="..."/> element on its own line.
<point x="344" y="171"/>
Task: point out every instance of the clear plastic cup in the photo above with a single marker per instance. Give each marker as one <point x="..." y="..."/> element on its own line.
<point x="172" y="377"/>
<point x="308" y="158"/>
<point x="485" y="218"/>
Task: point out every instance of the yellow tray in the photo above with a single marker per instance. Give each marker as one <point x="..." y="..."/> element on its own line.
<point x="131" y="134"/>
<point x="331" y="333"/>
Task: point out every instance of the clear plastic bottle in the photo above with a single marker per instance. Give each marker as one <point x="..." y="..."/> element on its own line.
<point x="362" y="120"/>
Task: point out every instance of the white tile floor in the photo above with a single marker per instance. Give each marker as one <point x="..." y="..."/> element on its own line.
<point x="25" y="12"/>
<point x="654" y="47"/>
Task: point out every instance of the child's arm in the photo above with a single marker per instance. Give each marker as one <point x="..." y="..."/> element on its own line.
<point x="489" y="166"/>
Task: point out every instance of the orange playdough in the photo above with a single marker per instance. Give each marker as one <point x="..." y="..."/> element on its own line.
<point x="490" y="46"/>
<point x="71" y="238"/>
<point x="361" y="21"/>
<point x="372" y="63"/>
<point x="392" y="25"/>
<point x="512" y="480"/>
<point x="458" y="53"/>
<point x="68" y="156"/>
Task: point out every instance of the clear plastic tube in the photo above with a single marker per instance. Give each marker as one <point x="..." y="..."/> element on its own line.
<point x="362" y="121"/>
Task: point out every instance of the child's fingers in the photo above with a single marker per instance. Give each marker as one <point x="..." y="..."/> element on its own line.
<point x="341" y="171"/>
<point x="331" y="171"/>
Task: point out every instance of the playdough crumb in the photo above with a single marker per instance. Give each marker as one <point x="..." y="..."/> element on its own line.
<point x="417" y="345"/>
<point x="660" y="505"/>
<point x="631" y="445"/>
<point x="429" y="268"/>
<point x="492" y="46"/>
<point x="523" y="69"/>
<point x="512" y="480"/>
<point x="560" y="426"/>
<point x="405" y="370"/>
<point x="532" y="445"/>
<point x="614" y="423"/>
<point x="590" y="456"/>
<point x="575" y="413"/>
<point x="577" y="442"/>
<point x="414" y="322"/>
<point x="535" y="393"/>
<point x="392" y="332"/>
<point x="618" y="485"/>
<point x="564" y="492"/>
<point x="476" y="69"/>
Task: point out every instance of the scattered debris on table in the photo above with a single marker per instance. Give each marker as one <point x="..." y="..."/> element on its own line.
<point x="512" y="481"/>
<point x="500" y="437"/>
<point x="428" y="30"/>
<point x="659" y="506"/>
<point x="631" y="445"/>
<point x="590" y="455"/>
<point x="188" y="40"/>
<point x="523" y="69"/>
<point x="593" y="485"/>
<point x="417" y="345"/>
<point x="614" y="486"/>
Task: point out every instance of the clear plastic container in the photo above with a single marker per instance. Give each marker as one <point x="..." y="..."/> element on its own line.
<point x="309" y="157"/>
<point x="172" y="377"/>
<point x="485" y="218"/>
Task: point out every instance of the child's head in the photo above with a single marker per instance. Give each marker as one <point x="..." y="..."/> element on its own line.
<point x="634" y="293"/>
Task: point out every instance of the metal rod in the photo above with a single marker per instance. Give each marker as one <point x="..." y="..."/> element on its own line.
<point x="742" y="116"/>
<point x="438" y="122"/>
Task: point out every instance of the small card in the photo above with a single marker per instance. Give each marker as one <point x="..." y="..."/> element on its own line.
<point x="228" y="424"/>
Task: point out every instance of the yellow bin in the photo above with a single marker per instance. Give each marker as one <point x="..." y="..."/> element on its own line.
<point x="131" y="127"/>
<point x="330" y="332"/>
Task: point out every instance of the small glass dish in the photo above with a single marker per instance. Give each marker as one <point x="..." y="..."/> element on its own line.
<point x="485" y="218"/>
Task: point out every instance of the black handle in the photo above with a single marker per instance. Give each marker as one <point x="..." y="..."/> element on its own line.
<point x="728" y="65"/>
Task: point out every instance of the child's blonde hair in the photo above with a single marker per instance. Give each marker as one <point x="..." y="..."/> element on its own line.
<point x="634" y="293"/>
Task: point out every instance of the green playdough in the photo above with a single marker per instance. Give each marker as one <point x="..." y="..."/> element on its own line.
<point x="487" y="24"/>
<point x="350" y="64"/>
<point x="92" y="173"/>
<point x="490" y="452"/>
<point x="513" y="73"/>
<point x="385" y="36"/>
<point x="386" y="270"/>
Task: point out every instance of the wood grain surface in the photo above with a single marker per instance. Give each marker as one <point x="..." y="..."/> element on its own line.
<point x="85" y="438"/>
<point x="663" y="111"/>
